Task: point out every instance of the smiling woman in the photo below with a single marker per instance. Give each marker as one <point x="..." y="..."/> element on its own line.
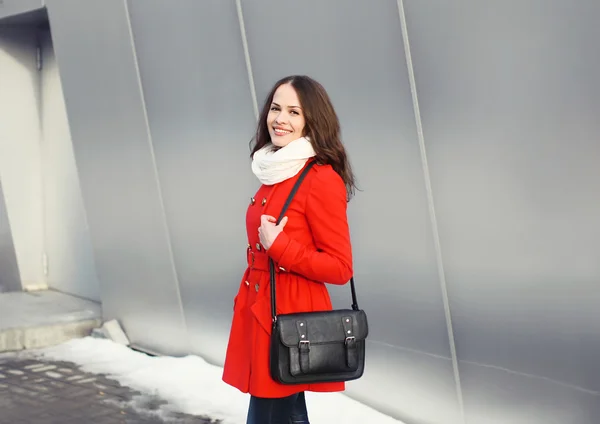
<point x="300" y="106"/>
<point x="285" y="120"/>
<point x="310" y="246"/>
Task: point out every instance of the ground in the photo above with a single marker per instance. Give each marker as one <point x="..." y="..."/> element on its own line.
<point x="34" y="391"/>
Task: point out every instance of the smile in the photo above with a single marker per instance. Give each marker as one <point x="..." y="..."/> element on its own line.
<point x="279" y="131"/>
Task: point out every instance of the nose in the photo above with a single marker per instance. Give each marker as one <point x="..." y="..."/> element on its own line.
<point x="280" y="118"/>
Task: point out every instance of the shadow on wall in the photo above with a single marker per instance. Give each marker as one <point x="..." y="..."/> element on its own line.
<point x="9" y="270"/>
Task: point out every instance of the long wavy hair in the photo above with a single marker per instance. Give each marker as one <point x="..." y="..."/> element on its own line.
<point x="322" y="127"/>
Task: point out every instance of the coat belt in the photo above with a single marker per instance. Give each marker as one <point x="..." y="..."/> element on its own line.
<point x="259" y="261"/>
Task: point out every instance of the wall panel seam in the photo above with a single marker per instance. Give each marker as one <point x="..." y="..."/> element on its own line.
<point x="431" y="207"/>
<point x="155" y="169"/>
<point x="238" y="4"/>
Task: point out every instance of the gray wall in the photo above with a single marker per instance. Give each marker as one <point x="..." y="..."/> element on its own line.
<point x="473" y="131"/>
<point x="201" y="118"/>
<point x="117" y="169"/>
<point x="70" y="262"/>
<point x="509" y="99"/>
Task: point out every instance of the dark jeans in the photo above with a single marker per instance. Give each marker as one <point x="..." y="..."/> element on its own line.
<point x="287" y="410"/>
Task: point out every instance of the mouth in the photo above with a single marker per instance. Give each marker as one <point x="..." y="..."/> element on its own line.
<point x="280" y="132"/>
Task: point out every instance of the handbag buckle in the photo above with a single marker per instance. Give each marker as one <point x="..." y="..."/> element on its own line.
<point x="350" y="339"/>
<point x="304" y="344"/>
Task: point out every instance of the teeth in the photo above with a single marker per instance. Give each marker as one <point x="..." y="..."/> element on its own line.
<point x="278" y="131"/>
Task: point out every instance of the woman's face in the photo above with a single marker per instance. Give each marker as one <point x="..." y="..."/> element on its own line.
<point x="285" y="120"/>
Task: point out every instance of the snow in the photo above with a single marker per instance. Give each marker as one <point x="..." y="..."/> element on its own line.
<point x="192" y="386"/>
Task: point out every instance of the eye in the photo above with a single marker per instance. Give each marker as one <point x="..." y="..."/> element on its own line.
<point x="273" y="108"/>
<point x="293" y="112"/>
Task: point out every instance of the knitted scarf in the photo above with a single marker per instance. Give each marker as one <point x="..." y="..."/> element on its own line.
<point x="274" y="166"/>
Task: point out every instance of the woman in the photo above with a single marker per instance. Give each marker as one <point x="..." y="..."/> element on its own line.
<point x="310" y="246"/>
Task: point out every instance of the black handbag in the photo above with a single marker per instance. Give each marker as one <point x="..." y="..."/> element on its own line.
<point x="316" y="347"/>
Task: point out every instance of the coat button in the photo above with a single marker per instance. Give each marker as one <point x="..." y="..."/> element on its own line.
<point x="257" y="286"/>
<point x="264" y="201"/>
<point x="247" y="282"/>
<point x="282" y="268"/>
<point x="258" y="246"/>
<point x="252" y="200"/>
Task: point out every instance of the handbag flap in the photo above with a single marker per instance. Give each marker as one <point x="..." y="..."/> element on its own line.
<point x="322" y="327"/>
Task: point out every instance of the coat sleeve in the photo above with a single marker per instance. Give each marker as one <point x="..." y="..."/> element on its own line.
<point x="330" y="259"/>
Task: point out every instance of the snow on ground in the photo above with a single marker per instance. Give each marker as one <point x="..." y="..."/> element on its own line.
<point x="191" y="385"/>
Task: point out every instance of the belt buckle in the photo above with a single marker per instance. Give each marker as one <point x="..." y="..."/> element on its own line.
<point x="249" y="251"/>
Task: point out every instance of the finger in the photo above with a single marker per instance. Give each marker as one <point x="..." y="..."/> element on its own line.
<point x="268" y="218"/>
<point x="283" y="222"/>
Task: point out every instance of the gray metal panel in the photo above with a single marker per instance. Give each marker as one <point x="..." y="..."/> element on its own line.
<point x="510" y="102"/>
<point x="411" y="386"/>
<point x="495" y="396"/>
<point x="70" y="261"/>
<point x="10" y="8"/>
<point x="200" y="113"/>
<point x="356" y="50"/>
<point x="10" y="279"/>
<point x="117" y="172"/>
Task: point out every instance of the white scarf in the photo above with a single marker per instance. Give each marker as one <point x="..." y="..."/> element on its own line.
<point x="272" y="167"/>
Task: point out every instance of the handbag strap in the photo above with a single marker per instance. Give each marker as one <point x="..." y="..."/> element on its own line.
<point x="272" y="264"/>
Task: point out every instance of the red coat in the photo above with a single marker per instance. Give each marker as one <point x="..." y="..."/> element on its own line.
<point x="313" y="248"/>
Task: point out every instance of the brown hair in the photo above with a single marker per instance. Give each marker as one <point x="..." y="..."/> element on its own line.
<point x="322" y="126"/>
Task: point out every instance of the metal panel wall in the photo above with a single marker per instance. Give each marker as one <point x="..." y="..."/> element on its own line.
<point x="510" y="101"/>
<point x="70" y="261"/>
<point x="201" y="119"/>
<point x="409" y="364"/>
<point x="117" y="171"/>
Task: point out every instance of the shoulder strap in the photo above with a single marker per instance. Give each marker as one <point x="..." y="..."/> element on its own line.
<point x="272" y="264"/>
<point x="294" y="190"/>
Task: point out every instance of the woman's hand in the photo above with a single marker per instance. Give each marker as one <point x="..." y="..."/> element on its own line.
<point x="268" y="231"/>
